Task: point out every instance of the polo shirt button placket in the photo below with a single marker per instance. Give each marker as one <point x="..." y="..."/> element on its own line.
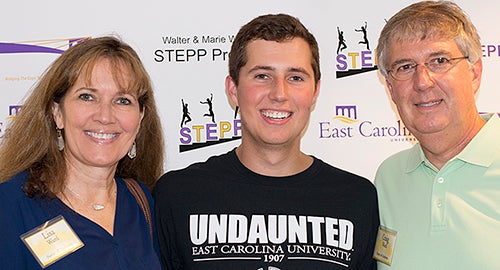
<point x="438" y="205"/>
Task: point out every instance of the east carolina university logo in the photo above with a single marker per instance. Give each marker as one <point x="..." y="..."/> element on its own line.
<point x="354" y="55"/>
<point x="351" y="126"/>
<point x="13" y="111"/>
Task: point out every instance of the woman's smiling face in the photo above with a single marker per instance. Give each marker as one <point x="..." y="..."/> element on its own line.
<point x="100" y="119"/>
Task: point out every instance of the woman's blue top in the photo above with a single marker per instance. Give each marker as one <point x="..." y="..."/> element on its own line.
<point x="130" y="247"/>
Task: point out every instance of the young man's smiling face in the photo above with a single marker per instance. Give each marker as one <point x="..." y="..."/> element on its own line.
<point x="276" y="92"/>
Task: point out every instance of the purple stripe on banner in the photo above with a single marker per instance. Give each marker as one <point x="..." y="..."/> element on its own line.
<point x="25" y="48"/>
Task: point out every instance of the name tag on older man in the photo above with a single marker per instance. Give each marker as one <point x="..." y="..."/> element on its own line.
<point x="52" y="241"/>
<point x="384" y="245"/>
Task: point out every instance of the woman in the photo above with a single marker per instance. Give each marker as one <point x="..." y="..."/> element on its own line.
<point x="89" y="126"/>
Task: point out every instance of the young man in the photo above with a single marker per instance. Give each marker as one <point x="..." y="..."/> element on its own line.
<point x="440" y="200"/>
<point x="267" y="205"/>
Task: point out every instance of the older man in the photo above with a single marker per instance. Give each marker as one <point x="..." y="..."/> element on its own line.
<point x="440" y="200"/>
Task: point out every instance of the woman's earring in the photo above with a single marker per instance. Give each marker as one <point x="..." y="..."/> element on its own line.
<point x="132" y="152"/>
<point x="60" y="140"/>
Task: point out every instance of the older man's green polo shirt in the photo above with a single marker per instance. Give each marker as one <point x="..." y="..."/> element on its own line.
<point x="448" y="218"/>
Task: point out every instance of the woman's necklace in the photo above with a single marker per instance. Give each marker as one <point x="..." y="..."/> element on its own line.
<point x="95" y="206"/>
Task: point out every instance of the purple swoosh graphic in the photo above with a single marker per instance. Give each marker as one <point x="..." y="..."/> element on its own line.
<point x="25" y="48"/>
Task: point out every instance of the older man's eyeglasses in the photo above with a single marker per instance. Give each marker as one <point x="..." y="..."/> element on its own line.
<point x="405" y="70"/>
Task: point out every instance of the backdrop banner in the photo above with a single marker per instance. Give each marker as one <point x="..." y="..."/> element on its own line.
<point x="185" y="44"/>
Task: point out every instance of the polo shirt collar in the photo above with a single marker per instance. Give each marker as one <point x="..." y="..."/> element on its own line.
<point x="480" y="151"/>
<point x="485" y="145"/>
<point x="415" y="158"/>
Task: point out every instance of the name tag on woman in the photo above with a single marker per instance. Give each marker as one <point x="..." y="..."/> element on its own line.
<point x="52" y="241"/>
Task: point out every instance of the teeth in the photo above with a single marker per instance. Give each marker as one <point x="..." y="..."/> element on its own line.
<point x="429" y="104"/>
<point x="276" y="115"/>
<point x="104" y="136"/>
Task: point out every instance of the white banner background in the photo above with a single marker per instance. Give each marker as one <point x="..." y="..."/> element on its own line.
<point x="181" y="75"/>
